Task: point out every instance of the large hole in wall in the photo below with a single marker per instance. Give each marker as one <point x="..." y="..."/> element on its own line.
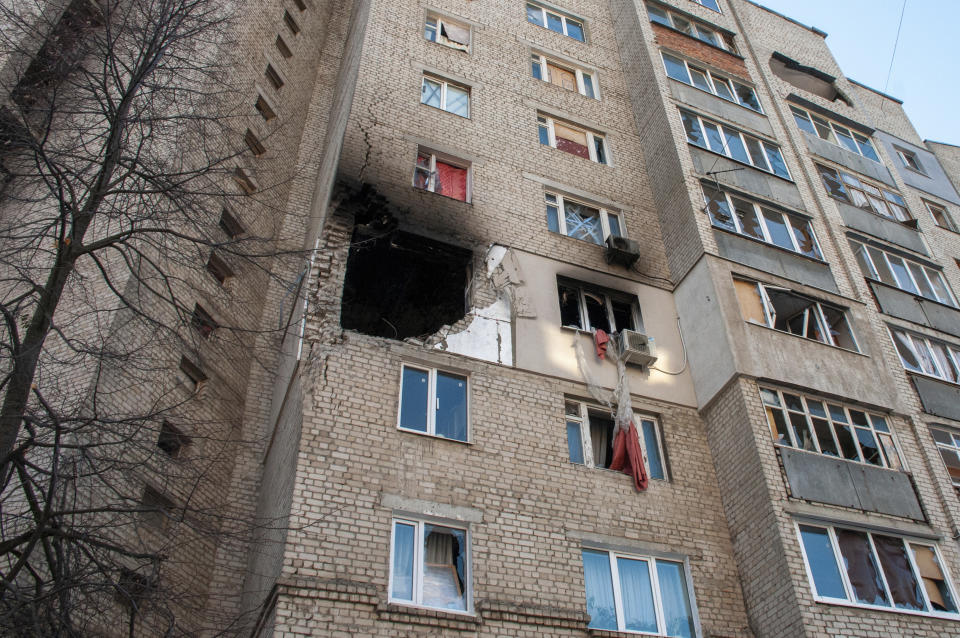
<point x="401" y="285"/>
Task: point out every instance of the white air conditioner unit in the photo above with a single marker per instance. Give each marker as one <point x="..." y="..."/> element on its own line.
<point x="636" y="348"/>
<point x="621" y="251"/>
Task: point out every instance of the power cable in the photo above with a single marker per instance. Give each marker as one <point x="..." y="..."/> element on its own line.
<point x="896" y="41"/>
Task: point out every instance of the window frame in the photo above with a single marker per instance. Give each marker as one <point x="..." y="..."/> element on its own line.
<point x="608" y="296"/>
<point x="703" y="4"/>
<point x="711" y="82"/>
<point x="548" y="122"/>
<point x="651" y="559"/>
<point x="543" y="61"/>
<point x="866" y="257"/>
<point x="583" y="419"/>
<point x="559" y="202"/>
<point x="891" y="205"/>
<point x="954" y="447"/>
<point x="910" y="160"/>
<point x="723" y="40"/>
<point x="444" y="86"/>
<point x="444" y="158"/>
<point x="914" y="339"/>
<point x="437" y="27"/>
<point x="833" y="425"/>
<point x="840" y="562"/>
<point x="724" y="130"/>
<point x="432" y="400"/>
<point x="418" y="563"/>
<point x="858" y="138"/>
<point x="790" y="221"/>
<point x="564" y="17"/>
<point x="948" y="220"/>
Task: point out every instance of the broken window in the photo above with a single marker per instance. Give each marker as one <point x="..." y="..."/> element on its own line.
<point x="194" y="374"/>
<point x="564" y="75"/>
<point x="202" y="322"/>
<point x="948" y="444"/>
<point x="834" y="133"/>
<point x="728" y="141"/>
<point x="171" y="441"/>
<point x="692" y="28"/>
<point x="927" y="356"/>
<point x="433" y="402"/>
<point x="572" y="139"/>
<point x="785" y="230"/>
<point x="708" y="81"/>
<point x="218" y="268"/>
<point x="813" y="425"/>
<point x="794" y="313"/>
<point x="862" y="194"/>
<point x="441" y="94"/>
<point x="447" y="32"/>
<point x="806" y="78"/>
<point x="875" y="570"/>
<point x="906" y="274"/>
<point x="442" y="174"/>
<point x="570" y="217"/>
<point x="590" y="308"/>
<point x="401" y="285"/>
<point x="590" y="432"/>
<point x="430" y="566"/>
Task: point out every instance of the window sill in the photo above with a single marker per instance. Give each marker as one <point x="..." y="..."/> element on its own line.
<point x="736" y="161"/>
<point x="774" y="246"/>
<point x="433" y="436"/>
<point x="466" y="621"/>
<point x="912" y="294"/>
<point x="949" y="230"/>
<point x="577" y="239"/>
<point x="462" y="201"/>
<point x="838" y="458"/>
<point x="725" y="100"/>
<point x="695" y="39"/>
<point x="890" y="610"/>
<point x="920" y="173"/>
<point x="437" y="108"/>
<point x="930" y="376"/>
<point x="790" y="334"/>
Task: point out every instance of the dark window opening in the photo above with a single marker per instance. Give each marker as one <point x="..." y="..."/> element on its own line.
<point x="133" y="588"/>
<point x="230" y="225"/>
<point x="401" y="285"/>
<point x="274" y="77"/>
<point x="172" y="441"/>
<point x="264" y="109"/>
<point x="202" y="322"/>
<point x="219" y="269"/>
<point x="601" y="438"/>
<point x="244" y="181"/>
<point x="300" y="4"/>
<point x="254" y="144"/>
<point x="155" y="508"/>
<point x="193" y="372"/>
<point x="291" y="23"/>
<point x="283" y="48"/>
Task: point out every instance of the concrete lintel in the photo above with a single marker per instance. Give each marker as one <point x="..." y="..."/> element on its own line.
<point x="428" y="508"/>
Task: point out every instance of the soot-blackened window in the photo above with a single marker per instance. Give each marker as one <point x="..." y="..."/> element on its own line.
<point x="403" y="285"/>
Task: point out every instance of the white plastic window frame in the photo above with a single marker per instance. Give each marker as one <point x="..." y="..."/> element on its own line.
<point x="564" y="18"/>
<point x="928" y="273"/>
<point x="792" y="221"/>
<point x="444" y="85"/>
<point x="726" y="152"/>
<point x="909" y="160"/>
<point x="432" y="401"/>
<point x="821" y="319"/>
<point x="809" y="416"/>
<point x="607" y="296"/>
<point x="438" y="21"/>
<point x="698" y="30"/>
<point x="542" y="60"/>
<point x="953" y="446"/>
<point x="547" y="121"/>
<point x="446" y="159"/>
<point x="840" y="563"/>
<point x="917" y="342"/>
<point x="651" y="561"/>
<point x="418" y="541"/>
<point x="583" y="418"/>
<point x="948" y="222"/>
<point x="553" y="198"/>
<point x="712" y="78"/>
<point x="860" y="140"/>
<point x="884" y="190"/>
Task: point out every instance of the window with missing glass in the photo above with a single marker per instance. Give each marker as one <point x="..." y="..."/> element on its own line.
<point x="948" y="444"/>
<point x="590" y="434"/>
<point x="829" y="428"/>
<point x="587" y="307"/>
<point x="910" y="160"/>
<point x="564" y="75"/>
<point x="635" y="593"/>
<point x="940" y="216"/>
<point x="711" y="82"/>
<point x="450" y="33"/>
<point x="728" y="141"/>
<point x="573" y="218"/>
<point x="925" y="355"/>
<point x="433" y="402"/>
<point x="555" y="21"/>
<point x="744" y="216"/>
<point x="876" y="570"/>
<point x="693" y="28"/>
<point x="902" y="272"/>
<point x="443" y="174"/>
<point x="864" y="194"/>
<point x="572" y="139"/>
<point x="834" y="133"/>
<point x="430" y="565"/>
<point x="794" y="313"/>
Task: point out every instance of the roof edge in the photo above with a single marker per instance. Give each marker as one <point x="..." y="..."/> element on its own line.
<point x="873" y="90"/>
<point x="822" y="34"/>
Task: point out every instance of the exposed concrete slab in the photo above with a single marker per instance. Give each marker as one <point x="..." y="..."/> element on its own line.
<point x="775" y="260"/>
<point x="747" y="178"/>
<point x="941" y="317"/>
<point x="904" y="305"/>
<point x="881" y="227"/>
<point x="848" y="159"/>
<point x="711" y="104"/>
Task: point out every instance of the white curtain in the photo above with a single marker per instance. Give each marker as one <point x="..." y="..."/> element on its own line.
<point x="599" y="586"/>
<point x="637" y="594"/>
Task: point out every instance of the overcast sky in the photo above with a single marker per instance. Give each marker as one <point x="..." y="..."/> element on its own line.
<point x="925" y="73"/>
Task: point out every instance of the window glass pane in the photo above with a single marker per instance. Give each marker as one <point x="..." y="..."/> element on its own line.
<point x="778" y="425"/>
<point x="553" y="219"/>
<point x="658" y="15"/>
<point x="880" y="263"/>
<point x="413" y="408"/>
<point x="904" y="588"/>
<point x="554" y="23"/>
<point x="823" y="129"/>
<point x="824" y="436"/>
<point x="598" y="583"/>
<point x="848" y="447"/>
<point x="717" y="208"/>
<point x="710" y="4"/>
<point x="723" y="88"/>
<point x="544" y="133"/>
<point x="536" y="67"/>
<point x="803" y="233"/>
<point x="735" y="145"/>
<point x="458" y="100"/>
<point x="430" y="93"/>
<point x="692" y="126"/>
<point x="747" y="216"/>
<point x="846" y="140"/>
<point x="714" y="138"/>
<point x="866" y="147"/>
<point x="803" y="122"/>
<point x="682" y="25"/>
<point x="676" y="68"/>
<point x="869" y="446"/>
<point x="574" y="442"/>
<point x="747" y="96"/>
<point x="562" y="77"/>
<point x="636" y="592"/>
<point x="575" y="30"/>
<point x="757" y="156"/>
<point x="708" y="36"/>
<point x="777" y="165"/>
<point x="934" y="582"/>
<point x="831" y="181"/>
<point x="430" y="29"/>
<point x="947" y="369"/>
<point x="652" y="446"/>
<point x="570" y="307"/>
<point x="451" y="406"/>
<point x="839" y="328"/>
<point x="588" y="86"/>
<point x="676" y="604"/>
<point x="444" y="567"/>
<point x="700" y="80"/>
<point x="777" y="227"/>
<point x="940" y="287"/>
<point x="900" y="271"/>
<point x="905" y="348"/>
<point x="952" y="460"/>
<point x="613" y="221"/>
<point x="535" y="15"/>
<point x="403" y="542"/>
<point x="823" y="563"/>
<point x="622" y="314"/>
<point x="751" y="303"/>
<point x="918" y="276"/>
<point x="583" y="222"/>
<point x="861" y="568"/>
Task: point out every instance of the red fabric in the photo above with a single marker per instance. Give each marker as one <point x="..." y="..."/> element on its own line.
<point x="452" y="181"/>
<point x="600" y="341"/>
<point x="628" y="457"/>
<point x="574" y="148"/>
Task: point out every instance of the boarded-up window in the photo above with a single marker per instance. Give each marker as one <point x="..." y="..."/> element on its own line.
<point x="571" y="140"/>
<point x="562" y="77"/>
<point x="751" y="304"/>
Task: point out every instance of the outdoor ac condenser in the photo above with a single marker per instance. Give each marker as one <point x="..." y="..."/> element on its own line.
<point x="636" y="348"/>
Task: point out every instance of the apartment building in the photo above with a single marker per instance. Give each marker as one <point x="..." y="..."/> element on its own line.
<point x="621" y="318"/>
